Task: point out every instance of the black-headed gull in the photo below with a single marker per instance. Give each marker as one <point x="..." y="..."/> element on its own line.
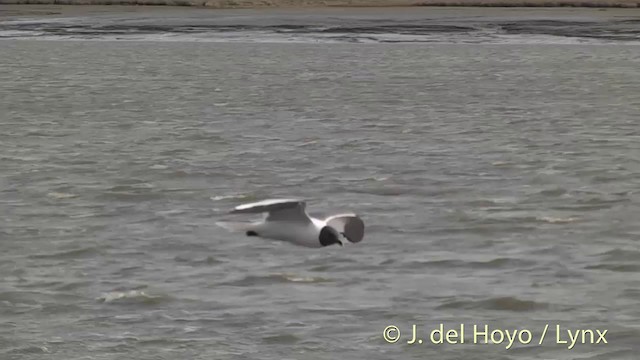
<point x="287" y="220"/>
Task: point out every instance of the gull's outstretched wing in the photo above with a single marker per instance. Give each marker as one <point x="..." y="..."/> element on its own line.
<point x="349" y="225"/>
<point x="277" y="209"/>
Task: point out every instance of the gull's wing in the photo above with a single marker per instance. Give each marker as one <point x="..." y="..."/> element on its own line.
<point x="349" y="225"/>
<point x="277" y="209"/>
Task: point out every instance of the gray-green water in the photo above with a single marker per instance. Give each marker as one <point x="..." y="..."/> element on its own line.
<point x="499" y="183"/>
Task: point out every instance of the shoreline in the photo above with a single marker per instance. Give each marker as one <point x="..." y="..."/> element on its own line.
<point x="249" y="4"/>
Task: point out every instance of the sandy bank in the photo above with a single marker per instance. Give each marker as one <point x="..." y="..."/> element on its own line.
<point x="232" y="4"/>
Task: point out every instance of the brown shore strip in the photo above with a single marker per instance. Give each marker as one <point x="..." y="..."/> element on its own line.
<point x="238" y="4"/>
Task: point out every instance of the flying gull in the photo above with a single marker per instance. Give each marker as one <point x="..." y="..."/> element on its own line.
<point x="287" y="220"/>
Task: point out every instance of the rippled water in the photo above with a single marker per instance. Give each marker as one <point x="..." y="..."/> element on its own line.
<point x="499" y="184"/>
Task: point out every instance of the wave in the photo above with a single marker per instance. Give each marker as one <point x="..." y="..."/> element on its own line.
<point x="507" y="303"/>
<point x="281" y="339"/>
<point x="497" y="263"/>
<point x="280" y="278"/>
<point x="131" y="297"/>
<point x="615" y="267"/>
<point x="618" y="254"/>
<point x="68" y="254"/>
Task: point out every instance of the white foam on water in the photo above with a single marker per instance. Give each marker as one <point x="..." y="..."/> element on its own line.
<point x="9" y="34"/>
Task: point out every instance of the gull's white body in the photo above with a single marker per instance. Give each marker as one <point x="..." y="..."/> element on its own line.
<point x="304" y="234"/>
<point x="287" y="220"/>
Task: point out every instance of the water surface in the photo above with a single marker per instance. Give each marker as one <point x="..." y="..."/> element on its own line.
<point x="497" y="173"/>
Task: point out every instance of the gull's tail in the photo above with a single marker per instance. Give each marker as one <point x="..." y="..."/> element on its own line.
<point x="235" y="226"/>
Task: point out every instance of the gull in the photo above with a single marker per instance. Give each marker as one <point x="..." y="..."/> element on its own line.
<point x="287" y="220"/>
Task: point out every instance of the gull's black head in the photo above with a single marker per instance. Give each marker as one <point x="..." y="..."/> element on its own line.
<point x="329" y="236"/>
